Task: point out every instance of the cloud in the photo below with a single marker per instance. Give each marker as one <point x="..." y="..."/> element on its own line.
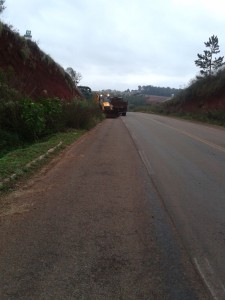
<point x="122" y="43"/>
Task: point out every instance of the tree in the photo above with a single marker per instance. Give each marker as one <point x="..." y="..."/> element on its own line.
<point x="2" y="7"/>
<point x="205" y="61"/>
<point x="75" y="76"/>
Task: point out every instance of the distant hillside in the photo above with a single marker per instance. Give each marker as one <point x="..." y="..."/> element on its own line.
<point x="158" y="91"/>
<point x="30" y="71"/>
<point x="155" y="99"/>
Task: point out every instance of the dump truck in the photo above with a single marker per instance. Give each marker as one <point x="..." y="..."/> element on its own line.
<point x="111" y="106"/>
<point x="119" y="105"/>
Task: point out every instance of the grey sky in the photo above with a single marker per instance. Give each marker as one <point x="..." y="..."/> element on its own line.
<point x="120" y="44"/>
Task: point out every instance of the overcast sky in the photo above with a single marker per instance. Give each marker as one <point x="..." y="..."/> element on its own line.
<point x="120" y="44"/>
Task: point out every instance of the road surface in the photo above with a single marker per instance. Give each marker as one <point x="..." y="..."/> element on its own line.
<point x="186" y="163"/>
<point x="133" y="210"/>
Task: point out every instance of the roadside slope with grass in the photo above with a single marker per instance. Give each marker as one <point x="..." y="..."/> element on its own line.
<point x="22" y="162"/>
<point x="202" y="100"/>
<point x="31" y="71"/>
<point x="40" y="107"/>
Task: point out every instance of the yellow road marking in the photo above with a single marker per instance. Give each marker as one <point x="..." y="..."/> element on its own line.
<point x="193" y="137"/>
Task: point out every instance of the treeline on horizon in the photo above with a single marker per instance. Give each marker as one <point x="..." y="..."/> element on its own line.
<point x="158" y="91"/>
<point x="145" y="90"/>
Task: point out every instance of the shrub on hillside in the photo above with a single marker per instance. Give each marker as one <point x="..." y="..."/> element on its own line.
<point x="23" y="119"/>
<point x="41" y="118"/>
<point x="8" y="140"/>
<point x="32" y="119"/>
<point x="53" y="114"/>
<point x="81" y="114"/>
<point x="9" y="107"/>
<point x="203" y="88"/>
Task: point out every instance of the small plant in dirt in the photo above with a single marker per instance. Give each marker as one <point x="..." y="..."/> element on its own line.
<point x="25" y="52"/>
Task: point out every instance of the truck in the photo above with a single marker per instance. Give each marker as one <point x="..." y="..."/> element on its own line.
<point x="119" y="105"/>
<point x="111" y="106"/>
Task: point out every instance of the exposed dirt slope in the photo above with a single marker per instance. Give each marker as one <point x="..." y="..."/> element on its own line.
<point x="30" y="70"/>
<point x="155" y="99"/>
<point x="212" y="104"/>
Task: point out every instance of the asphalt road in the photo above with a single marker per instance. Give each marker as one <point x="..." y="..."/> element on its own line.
<point x="125" y="213"/>
<point x="186" y="163"/>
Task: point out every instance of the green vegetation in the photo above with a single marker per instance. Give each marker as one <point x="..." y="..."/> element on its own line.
<point x="135" y="102"/>
<point x="15" y="162"/>
<point x="157" y="91"/>
<point x="205" y="61"/>
<point x="197" y="102"/>
<point x="23" y="120"/>
<point x="31" y="124"/>
<point x="75" y="76"/>
<point x="25" y="52"/>
<point x="203" y="99"/>
<point x="202" y="89"/>
<point x="29" y="128"/>
<point x="2" y="7"/>
<point x="20" y="47"/>
<point x="216" y="117"/>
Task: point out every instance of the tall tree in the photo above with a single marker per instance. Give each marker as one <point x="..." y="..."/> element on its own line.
<point x="205" y="61"/>
<point x="2" y="7"/>
<point x="75" y="76"/>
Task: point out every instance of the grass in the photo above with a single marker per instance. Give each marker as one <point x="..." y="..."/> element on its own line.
<point x="214" y="117"/>
<point x="15" y="161"/>
<point x="211" y="117"/>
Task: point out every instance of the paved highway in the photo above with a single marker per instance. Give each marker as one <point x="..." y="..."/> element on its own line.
<point x="186" y="163"/>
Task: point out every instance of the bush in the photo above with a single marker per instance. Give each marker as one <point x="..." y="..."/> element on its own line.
<point x="23" y="120"/>
<point x="33" y="119"/>
<point x="8" y="141"/>
<point x="203" y="88"/>
<point x="217" y="116"/>
<point x="9" y="106"/>
<point x="81" y="114"/>
<point x="41" y="118"/>
<point x="53" y="114"/>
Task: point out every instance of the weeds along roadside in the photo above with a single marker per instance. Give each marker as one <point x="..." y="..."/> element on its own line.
<point x="203" y="100"/>
<point x="25" y="121"/>
<point x="76" y="119"/>
<point x="21" y="163"/>
<point x="28" y="129"/>
<point x="28" y="124"/>
<point x="214" y="117"/>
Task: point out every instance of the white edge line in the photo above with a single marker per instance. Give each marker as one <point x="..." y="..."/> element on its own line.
<point x="146" y="162"/>
<point x="205" y="280"/>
